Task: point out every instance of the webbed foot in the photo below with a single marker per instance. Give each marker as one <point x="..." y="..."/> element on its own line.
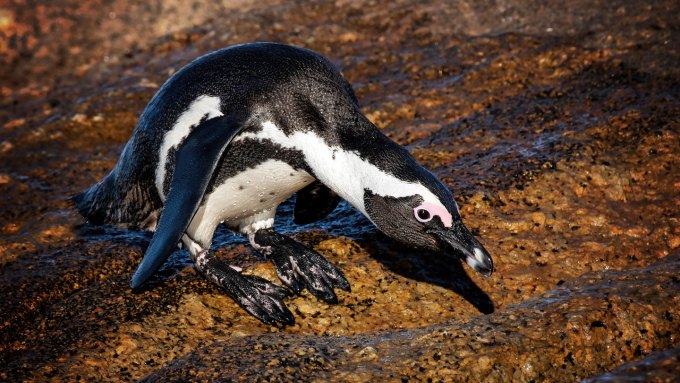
<point x="299" y="267"/>
<point x="258" y="296"/>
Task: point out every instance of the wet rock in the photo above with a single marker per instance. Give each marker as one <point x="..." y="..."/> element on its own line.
<point x="565" y="334"/>
<point x="555" y="124"/>
<point x="659" y="366"/>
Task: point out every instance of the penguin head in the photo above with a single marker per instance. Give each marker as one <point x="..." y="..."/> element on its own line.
<point x="430" y="221"/>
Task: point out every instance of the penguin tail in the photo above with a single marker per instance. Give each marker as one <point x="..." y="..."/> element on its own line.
<point x="95" y="203"/>
<point x="105" y="203"/>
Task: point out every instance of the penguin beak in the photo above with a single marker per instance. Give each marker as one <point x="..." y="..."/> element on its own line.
<point x="458" y="240"/>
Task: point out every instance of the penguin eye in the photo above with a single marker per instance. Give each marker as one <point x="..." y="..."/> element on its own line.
<point x="427" y="210"/>
<point x="423" y="215"/>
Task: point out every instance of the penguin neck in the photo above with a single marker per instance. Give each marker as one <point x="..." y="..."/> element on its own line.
<point x="350" y="169"/>
<point x="366" y="161"/>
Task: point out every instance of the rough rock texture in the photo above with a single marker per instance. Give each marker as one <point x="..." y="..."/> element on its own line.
<point x="659" y="366"/>
<point x="584" y="318"/>
<point x="555" y="123"/>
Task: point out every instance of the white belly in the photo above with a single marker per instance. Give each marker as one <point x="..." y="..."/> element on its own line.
<point x="254" y="193"/>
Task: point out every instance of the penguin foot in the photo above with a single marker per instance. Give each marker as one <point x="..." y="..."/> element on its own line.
<point x="258" y="296"/>
<point x="299" y="267"/>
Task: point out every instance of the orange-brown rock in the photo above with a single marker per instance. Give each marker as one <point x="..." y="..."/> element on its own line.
<point x="556" y="123"/>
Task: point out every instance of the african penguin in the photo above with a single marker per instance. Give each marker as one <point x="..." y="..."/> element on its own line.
<point x="237" y="132"/>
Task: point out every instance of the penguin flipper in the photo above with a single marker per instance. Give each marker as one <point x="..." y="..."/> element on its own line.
<point x="195" y="162"/>
<point x="313" y="203"/>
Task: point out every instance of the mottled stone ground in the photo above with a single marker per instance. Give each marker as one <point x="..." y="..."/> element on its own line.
<point x="556" y="124"/>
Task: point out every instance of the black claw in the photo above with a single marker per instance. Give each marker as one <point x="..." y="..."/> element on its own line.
<point x="337" y="277"/>
<point x="299" y="267"/>
<point x="327" y="296"/>
<point x="344" y="285"/>
<point x="258" y="296"/>
<point x="263" y="299"/>
<point x="269" y="288"/>
<point x="295" y="286"/>
<point x="279" y="314"/>
<point x="320" y="287"/>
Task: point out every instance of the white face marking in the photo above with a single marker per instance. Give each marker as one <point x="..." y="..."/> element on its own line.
<point x="203" y="106"/>
<point x="248" y="200"/>
<point x="342" y="171"/>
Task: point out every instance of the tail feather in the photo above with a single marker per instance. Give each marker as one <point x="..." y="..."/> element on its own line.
<point x="107" y="203"/>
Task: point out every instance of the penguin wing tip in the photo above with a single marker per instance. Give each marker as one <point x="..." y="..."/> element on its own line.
<point x="137" y="281"/>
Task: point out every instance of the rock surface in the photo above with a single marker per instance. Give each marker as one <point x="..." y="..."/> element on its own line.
<point x="659" y="366"/>
<point x="556" y="124"/>
<point x="584" y="318"/>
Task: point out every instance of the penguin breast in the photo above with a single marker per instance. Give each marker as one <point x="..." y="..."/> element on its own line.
<point x="253" y="190"/>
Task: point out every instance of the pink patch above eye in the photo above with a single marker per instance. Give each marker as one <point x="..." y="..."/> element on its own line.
<point x="433" y="209"/>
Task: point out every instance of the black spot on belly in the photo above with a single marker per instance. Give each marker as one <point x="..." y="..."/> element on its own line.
<point x="241" y="187"/>
<point x="272" y="193"/>
<point x="262" y="200"/>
